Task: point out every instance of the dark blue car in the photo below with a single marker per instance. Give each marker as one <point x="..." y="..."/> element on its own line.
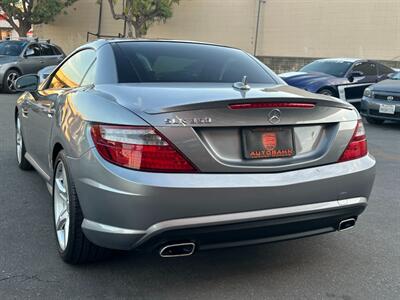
<point x="345" y="78"/>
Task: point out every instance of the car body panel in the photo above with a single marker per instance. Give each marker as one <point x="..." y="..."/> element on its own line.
<point x="121" y="206"/>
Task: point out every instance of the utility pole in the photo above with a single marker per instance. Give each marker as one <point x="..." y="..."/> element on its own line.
<point x="258" y="24"/>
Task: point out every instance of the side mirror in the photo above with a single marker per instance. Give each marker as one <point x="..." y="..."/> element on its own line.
<point x="29" y="52"/>
<point x="355" y="74"/>
<point x="27" y="83"/>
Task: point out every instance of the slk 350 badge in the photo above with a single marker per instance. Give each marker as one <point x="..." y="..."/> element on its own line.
<point x="187" y="121"/>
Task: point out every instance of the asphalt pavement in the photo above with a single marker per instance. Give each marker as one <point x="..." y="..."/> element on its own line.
<point x="362" y="263"/>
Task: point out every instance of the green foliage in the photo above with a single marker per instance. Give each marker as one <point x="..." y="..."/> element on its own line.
<point x="141" y="14"/>
<point x="29" y="12"/>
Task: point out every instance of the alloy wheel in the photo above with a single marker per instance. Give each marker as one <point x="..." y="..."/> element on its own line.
<point x="61" y="205"/>
<point x="12" y="76"/>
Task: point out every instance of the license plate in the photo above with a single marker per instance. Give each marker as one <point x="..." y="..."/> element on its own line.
<point x="387" y="109"/>
<point x="262" y="143"/>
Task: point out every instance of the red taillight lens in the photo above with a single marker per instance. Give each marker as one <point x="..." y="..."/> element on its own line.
<point x="357" y="146"/>
<point x="139" y="148"/>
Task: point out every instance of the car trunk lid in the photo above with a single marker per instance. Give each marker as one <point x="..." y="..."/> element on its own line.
<point x="215" y="128"/>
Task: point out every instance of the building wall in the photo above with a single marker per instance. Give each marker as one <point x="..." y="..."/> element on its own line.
<point x="290" y="30"/>
<point x="331" y="28"/>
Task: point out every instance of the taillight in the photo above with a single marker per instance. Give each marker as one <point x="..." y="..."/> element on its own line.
<point x="139" y="148"/>
<point x="357" y="146"/>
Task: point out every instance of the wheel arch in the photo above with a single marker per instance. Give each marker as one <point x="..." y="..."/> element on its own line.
<point x="57" y="148"/>
<point x="331" y="88"/>
<point x="14" y="68"/>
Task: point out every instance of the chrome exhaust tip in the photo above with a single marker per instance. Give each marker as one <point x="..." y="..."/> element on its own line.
<point x="347" y="224"/>
<point x="177" y="250"/>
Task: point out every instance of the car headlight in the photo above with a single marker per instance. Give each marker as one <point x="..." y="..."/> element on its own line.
<point x="368" y="93"/>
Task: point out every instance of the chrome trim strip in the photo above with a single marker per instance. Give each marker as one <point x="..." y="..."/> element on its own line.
<point x="223" y="218"/>
<point x="37" y="167"/>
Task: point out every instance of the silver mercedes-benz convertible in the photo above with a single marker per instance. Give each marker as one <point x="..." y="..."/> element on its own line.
<point x="178" y="146"/>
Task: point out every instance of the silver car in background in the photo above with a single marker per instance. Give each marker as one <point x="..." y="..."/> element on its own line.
<point x="21" y="57"/>
<point x="180" y="146"/>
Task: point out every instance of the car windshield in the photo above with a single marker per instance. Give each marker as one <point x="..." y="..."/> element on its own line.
<point x="336" y="68"/>
<point x="186" y="62"/>
<point x="12" y="48"/>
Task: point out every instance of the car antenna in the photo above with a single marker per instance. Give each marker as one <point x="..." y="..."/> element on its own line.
<point x="242" y="85"/>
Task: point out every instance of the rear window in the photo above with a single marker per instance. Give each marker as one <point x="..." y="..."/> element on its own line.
<point x="56" y="50"/>
<point x="47" y="50"/>
<point x="185" y="62"/>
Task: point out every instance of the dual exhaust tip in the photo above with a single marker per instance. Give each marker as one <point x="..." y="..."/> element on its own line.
<point x="178" y="250"/>
<point x="187" y="249"/>
<point x="347" y="224"/>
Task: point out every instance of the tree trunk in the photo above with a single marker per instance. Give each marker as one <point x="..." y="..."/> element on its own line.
<point x="129" y="27"/>
<point x="138" y="33"/>
<point x="23" y="29"/>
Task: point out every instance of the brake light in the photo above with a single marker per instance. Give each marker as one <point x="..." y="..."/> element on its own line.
<point x="272" y="105"/>
<point x="357" y="146"/>
<point x="139" y="148"/>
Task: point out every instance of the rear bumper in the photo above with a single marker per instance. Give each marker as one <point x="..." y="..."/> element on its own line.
<point x="220" y="231"/>
<point x="125" y="209"/>
<point x="370" y="108"/>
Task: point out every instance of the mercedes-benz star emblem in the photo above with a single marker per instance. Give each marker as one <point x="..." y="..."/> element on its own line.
<point x="390" y="98"/>
<point x="274" y="116"/>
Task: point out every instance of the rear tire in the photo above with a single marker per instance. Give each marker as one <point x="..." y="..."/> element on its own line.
<point x="73" y="246"/>
<point x="9" y="80"/>
<point x="20" y="152"/>
<point x="374" y="121"/>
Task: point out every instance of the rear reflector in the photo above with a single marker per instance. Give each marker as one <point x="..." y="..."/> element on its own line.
<point x="272" y="105"/>
<point x="139" y="148"/>
<point x="357" y="146"/>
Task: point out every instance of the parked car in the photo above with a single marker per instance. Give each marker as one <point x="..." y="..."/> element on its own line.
<point x="21" y="57"/>
<point x="381" y="101"/>
<point x="182" y="146"/>
<point x="345" y="78"/>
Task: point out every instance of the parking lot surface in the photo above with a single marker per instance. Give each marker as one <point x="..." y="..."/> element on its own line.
<point x="362" y="263"/>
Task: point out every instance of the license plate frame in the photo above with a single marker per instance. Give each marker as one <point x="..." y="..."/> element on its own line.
<point x="388" y="109"/>
<point x="268" y="142"/>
